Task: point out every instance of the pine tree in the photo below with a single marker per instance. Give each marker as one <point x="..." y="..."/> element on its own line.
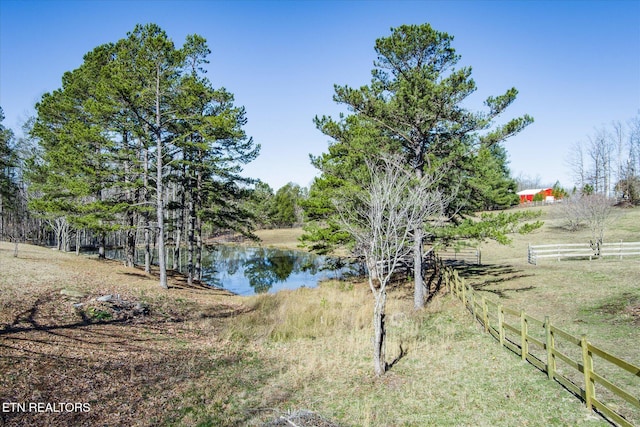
<point x="8" y="185"/>
<point x="75" y="175"/>
<point x="136" y="126"/>
<point x="415" y="99"/>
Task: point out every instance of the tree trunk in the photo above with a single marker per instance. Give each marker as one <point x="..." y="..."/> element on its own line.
<point x="101" y="246"/>
<point x="61" y="228"/>
<point x="58" y="237"/>
<point x="418" y="283"/>
<point x="66" y="237"/>
<point x="190" y="240"/>
<point x="162" y="258"/>
<point x="198" y="266"/>
<point x="130" y="221"/>
<point x="130" y="241"/>
<point x="177" y="255"/>
<point x="379" y="338"/>
<point x="147" y="246"/>
<point x="67" y="240"/>
<point x="171" y="199"/>
<point x="197" y="206"/>
<point x="147" y="221"/>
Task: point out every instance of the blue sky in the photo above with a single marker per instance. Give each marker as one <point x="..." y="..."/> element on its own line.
<point x="576" y="64"/>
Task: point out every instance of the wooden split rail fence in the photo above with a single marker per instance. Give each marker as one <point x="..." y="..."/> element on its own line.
<point x="573" y="362"/>
<point x="582" y="250"/>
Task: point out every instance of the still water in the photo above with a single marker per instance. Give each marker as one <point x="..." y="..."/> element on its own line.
<point x="252" y="270"/>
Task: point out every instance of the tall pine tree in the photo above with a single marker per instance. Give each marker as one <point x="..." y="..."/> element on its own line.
<point x="138" y="125"/>
<point x="416" y="99"/>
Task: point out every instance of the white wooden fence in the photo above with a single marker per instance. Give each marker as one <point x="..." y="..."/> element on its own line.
<point x="582" y="250"/>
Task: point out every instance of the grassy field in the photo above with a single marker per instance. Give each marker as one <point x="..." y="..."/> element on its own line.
<point x="599" y="298"/>
<point x="190" y="356"/>
<point x="286" y="238"/>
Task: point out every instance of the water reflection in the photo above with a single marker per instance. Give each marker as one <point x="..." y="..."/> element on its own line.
<point x="246" y="270"/>
<point x="253" y="270"/>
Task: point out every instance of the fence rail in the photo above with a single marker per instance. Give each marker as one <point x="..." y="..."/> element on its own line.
<point x="460" y="255"/>
<point x="573" y="362"/>
<point x="405" y="264"/>
<point x="582" y="250"/>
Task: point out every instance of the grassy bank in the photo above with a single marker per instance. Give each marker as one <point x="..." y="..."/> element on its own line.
<point x="190" y="356"/>
<point x="285" y="238"/>
<point x="212" y="359"/>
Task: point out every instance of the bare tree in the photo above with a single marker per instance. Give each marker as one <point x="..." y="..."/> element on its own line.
<point x="576" y="163"/>
<point x="596" y="150"/>
<point x="597" y="210"/>
<point x="617" y="137"/>
<point x="382" y="219"/>
<point x="593" y="210"/>
<point x="526" y="182"/>
<point x="634" y="143"/>
<point x="628" y="185"/>
<point x="571" y="212"/>
<point x="602" y="164"/>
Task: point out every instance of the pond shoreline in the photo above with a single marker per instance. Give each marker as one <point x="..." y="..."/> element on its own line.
<point x="245" y="269"/>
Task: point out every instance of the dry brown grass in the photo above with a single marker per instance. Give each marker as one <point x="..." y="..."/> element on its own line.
<point x="127" y="367"/>
<point x="206" y="358"/>
<point x="286" y="238"/>
<point x="446" y="373"/>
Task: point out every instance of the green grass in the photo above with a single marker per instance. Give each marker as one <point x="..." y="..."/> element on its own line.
<point x="229" y="392"/>
<point x="598" y="298"/>
<point x="317" y="342"/>
<point x="241" y="361"/>
<point x="451" y="373"/>
<point x="569" y="291"/>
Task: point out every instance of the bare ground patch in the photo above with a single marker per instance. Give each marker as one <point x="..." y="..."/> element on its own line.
<point x="126" y="356"/>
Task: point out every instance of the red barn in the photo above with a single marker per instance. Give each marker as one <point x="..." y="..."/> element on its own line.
<point x="527" y="195"/>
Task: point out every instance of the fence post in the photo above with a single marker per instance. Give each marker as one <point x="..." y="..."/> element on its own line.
<point x="524" y="346"/>
<point x="452" y="283"/>
<point x="485" y="314"/>
<point x="456" y="285"/>
<point x="531" y="255"/>
<point x="447" y="282"/>
<point x="587" y="367"/>
<point x="620" y="248"/>
<point x="551" y="358"/>
<point x="464" y="295"/>
<point x="500" y="324"/>
<point x="473" y="303"/>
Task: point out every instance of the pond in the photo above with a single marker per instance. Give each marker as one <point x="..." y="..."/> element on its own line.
<point x="252" y="270"/>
